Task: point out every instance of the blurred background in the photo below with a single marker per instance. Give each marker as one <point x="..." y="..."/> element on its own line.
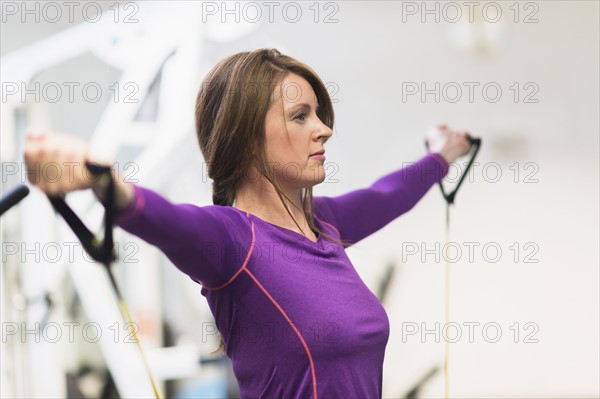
<point x="524" y="231"/>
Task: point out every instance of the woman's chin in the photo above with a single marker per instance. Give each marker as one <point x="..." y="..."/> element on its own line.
<point x="309" y="180"/>
<point x="312" y="182"/>
<point x="320" y="178"/>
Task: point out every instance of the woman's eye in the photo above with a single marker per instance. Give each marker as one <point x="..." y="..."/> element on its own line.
<point x="300" y="117"/>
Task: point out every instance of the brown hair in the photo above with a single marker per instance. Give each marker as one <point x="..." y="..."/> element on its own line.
<point x="231" y="108"/>
<point x="230" y="121"/>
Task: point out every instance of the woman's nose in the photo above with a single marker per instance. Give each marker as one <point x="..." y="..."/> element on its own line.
<point x="324" y="132"/>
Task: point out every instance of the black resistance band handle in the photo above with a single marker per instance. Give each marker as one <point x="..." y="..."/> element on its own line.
<point x="13" y="197"/>
<point x="101" y="251"/>
<point x="475" y="143"/>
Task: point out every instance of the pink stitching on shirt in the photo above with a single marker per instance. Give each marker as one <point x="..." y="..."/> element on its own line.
<point x="140" y="203"/>
<point x="245" y="261"/>
<point x="244" y="268"/>
<point x="332" y="226"/>
<point x="310" y="360"/>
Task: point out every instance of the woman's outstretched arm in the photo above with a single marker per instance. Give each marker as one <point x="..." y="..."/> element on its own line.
<point x="205" y="242"/>
<point x="362" y="212"/>
<point x="193" y="238"/>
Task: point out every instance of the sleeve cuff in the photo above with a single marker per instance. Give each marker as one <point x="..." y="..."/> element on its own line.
<point x="441" y="161"/>
<point x="134" y="209"/>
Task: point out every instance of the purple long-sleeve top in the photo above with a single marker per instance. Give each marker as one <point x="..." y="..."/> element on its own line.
<point x="296" y="318"/>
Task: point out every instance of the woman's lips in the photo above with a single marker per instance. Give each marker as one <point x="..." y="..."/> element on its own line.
<point x="320" y="155"/>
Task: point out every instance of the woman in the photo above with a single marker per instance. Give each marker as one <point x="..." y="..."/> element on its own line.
<point x="294" y="316"/>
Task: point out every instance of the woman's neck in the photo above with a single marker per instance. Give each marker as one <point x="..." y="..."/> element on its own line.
<point x="260" y="199"/>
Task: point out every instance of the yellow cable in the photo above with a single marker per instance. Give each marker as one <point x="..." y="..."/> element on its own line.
<point x="127" y="317"/>
<point x="447" y="305"/>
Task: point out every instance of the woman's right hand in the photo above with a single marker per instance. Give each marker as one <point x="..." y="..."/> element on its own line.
<point x="56" y="165"/>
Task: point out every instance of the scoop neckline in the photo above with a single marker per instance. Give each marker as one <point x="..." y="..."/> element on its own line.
<point x="285" y="229"/>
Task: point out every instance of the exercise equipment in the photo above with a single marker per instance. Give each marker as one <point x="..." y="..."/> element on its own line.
<point x="102" y="251"/>
<point x="449" y="198"/>
<point x="13" y="197"/>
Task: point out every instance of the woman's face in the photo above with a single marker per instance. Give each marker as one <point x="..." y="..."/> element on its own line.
<point x="294" y="133"/>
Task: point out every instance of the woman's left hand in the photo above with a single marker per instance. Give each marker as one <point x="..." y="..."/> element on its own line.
<point x="449" y="143"/>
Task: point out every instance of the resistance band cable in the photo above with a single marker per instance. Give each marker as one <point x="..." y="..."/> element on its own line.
<point x="475" y="142"/>
<point x="103" y="251"/>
